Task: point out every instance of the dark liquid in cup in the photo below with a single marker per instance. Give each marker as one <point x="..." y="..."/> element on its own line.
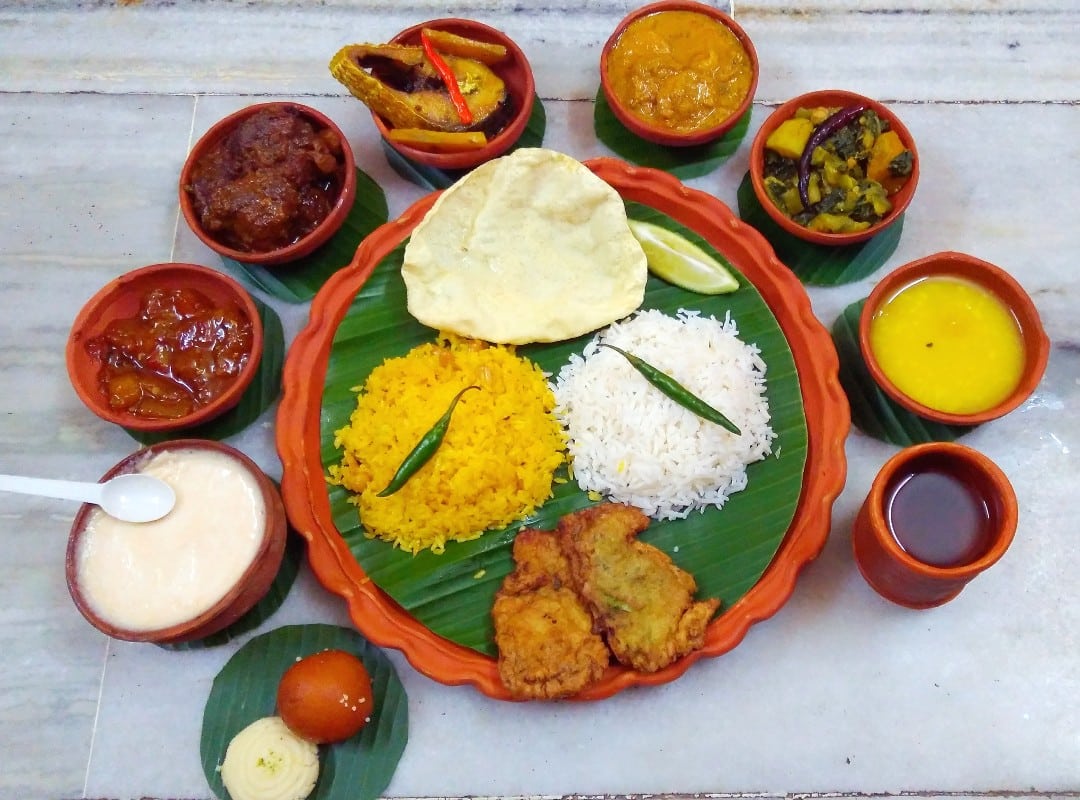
<point x="938" y="515"/>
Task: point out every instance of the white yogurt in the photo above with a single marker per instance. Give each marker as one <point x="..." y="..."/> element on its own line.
<point x="148" y="576"/>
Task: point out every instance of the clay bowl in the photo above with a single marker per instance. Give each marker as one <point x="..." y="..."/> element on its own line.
<point x="897" y="573"/>
<point x="344" y="185"/>
<point x="121" y="298"/>
<point x="650" y="131"/>
<point x="515" y="72"/>
<point x="830" y="98"/>
<point x="995" y="280"/>
<point x="253" y="582"/>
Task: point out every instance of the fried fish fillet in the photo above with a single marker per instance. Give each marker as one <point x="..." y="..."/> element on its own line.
<point x="641" y="600"/>
<point x="544" y="632"/>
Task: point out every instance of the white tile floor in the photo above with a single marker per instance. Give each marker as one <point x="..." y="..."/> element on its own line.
<point x="838" y="693"/>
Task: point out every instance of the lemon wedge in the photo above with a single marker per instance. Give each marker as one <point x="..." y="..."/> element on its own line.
<point x="677" y="260"/>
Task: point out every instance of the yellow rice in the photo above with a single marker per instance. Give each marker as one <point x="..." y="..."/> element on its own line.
<point x="494" y="466"/>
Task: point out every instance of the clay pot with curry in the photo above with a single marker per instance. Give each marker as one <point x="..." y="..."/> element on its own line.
<point x="678" y="73"/>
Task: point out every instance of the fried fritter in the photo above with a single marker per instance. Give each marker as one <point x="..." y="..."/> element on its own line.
<point x="544" y="632"/>
<point x="641" y="600"/>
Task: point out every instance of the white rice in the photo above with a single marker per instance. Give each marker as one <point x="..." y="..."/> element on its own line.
<point x="632" y="444"/>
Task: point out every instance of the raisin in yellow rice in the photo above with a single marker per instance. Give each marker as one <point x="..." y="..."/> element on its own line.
<point x="494" y="466"/>
<point x="632" y="444"/>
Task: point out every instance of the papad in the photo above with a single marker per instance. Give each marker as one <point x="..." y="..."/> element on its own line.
<point x="530" y="247"/>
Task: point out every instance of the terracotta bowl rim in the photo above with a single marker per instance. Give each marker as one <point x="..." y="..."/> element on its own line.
<point x="234" y="603"/>
<point x="298" y="249"/>
<point x="90" y="317"/>
<point x="973" y="459"/>
<point x="663" y="136"/>
<point x="991" y="277"/>
<point x="901" y="200"/>
<point x="508" y="136"/>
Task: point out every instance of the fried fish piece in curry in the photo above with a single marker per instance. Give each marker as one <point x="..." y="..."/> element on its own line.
<point x="544" y="632"/>
<point x="641" y="600"/>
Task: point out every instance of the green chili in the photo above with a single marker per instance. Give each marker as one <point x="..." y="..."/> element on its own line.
<point x="676" y="391"/>
<point x="424" y="449"/>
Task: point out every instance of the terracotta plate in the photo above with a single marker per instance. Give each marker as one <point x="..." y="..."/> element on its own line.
<point x="820" y="426"/>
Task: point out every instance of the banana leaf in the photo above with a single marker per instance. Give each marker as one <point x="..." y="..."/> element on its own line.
<point x="872" y="411"/>
<point x="682" y="162"/>
<point x="727" y="550"/>
<point x="245" y="690"/>
<point x="815" y="264"/>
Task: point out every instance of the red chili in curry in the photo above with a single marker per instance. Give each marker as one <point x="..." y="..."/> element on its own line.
<point x="448" y="78"/>
<point x="179" y="353"/>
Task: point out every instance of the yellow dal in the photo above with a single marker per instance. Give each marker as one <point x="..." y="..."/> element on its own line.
<point x="949" y="344"/>
<point x="680" y="70"/>
<point x="495" y="464"/>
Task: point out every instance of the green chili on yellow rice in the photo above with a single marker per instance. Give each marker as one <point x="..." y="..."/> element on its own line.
<point x="494" y="466"/>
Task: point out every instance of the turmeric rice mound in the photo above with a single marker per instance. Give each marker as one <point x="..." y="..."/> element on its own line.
<point x="494" y="466"/>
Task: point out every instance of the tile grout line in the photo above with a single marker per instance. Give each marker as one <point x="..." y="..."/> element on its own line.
<point x="190" y="142"/>
<point x="258" y="95"/>
<point x="97" y="715"/>
<point x="910" y="794"/>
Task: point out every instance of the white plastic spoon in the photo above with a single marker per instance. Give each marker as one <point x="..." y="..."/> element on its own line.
<point x="131" y="497"/>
